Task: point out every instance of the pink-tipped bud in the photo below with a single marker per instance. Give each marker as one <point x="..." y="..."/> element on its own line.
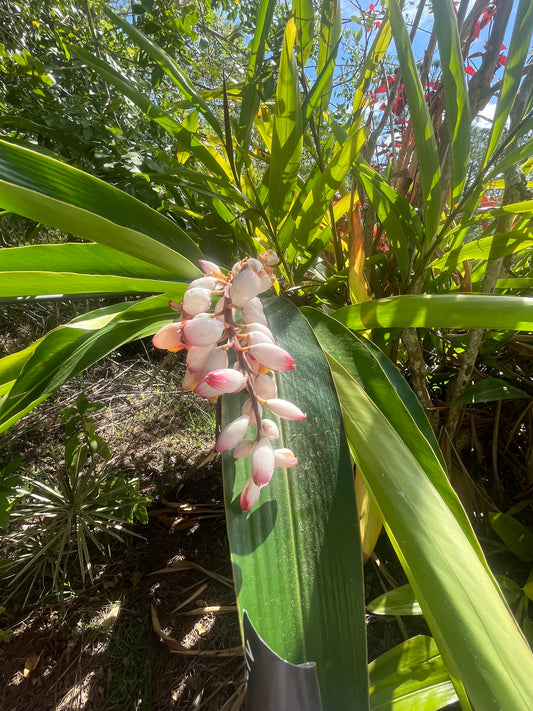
<point x="203" y="330"/>
<point x="265" y="387"/>
<point x="248" y="409"/>
<point x="197" y="358"/>
<point x="169" y="337"/>
<point x="244" y="448"/>
<point x="249" y="495"/>
<point x="269" y="429"/>
<point x="232" y="434"/>
<point x="208" y="267"/>
<point x="244" y="287"/>
<point x="197" y="300"/>
<point x="285" y="409"/>
<point x="225" y="380"/>
<point x="284" y="458"/>
<point x="262" y="462"/>
<point x="206" y="390"/>
<point x="272" y="356"/>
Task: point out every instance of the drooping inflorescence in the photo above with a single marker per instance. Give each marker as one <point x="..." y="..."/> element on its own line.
<point x="237" y="324"/>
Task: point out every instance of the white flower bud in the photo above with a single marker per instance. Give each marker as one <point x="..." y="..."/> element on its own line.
<point x="244" y="287"/>
<point x="232" y="434"/>
<point x="269" y="429"/>
<point x="244" y="448"/>
<point x="285" y="409"/>
<point x="265" y="387"/>
<point x="203" y="330"/>
<point x="262" y="462"/>
<point x="196" y="300"/>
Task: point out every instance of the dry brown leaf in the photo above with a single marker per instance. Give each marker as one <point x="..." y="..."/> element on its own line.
<point x="180" y="565"/>
<point x="31" y="663"/>
<point x="231" y="652"/>
<point x="156" y="625"/>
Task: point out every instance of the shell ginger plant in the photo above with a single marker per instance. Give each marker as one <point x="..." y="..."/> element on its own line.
<point x="237" y="324"/>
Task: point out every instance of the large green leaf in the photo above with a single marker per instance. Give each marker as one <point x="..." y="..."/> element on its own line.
<point x="69" y="349"/>
<point x="426" y="146"/>
<point x="399" y="601"/>
<point x="250" y="93"/>
<point x="410" y="677"/>
<point x="519" y="48"/>
<point x="441" y="311"/>
<point x="304" y="17"/>
<point x="457" y="104"/>
<point x="329" y="36"/>
<point x="46" y="190"/>
<point x="75" y="268"/>
<point x="287" y="137"/>
<point x="389" y="391"/>
<point x="296" y="557"/>
<point x="476" y="633"/>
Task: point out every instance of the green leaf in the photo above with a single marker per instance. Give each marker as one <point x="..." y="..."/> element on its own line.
<point x="388" y="390"/>
<point x="492" y="247"/>
<point x="302" y="225"/>
<point x="514" y="534"/>
<point x="46" y="190"/>
<point x="410" y="677"/>
<point x="489" y="390"/>
<point x="250" y="94"/>
<point x="398" y="217"/>
<point x="170" y="68"/>
<point x="304" y="17"/>
<point x="330" y="33"/>
<point x="441" y="311"/>
<point x="69" y="349"/>
<point x="519" y="48"/>
<point x="371" y="67"/>
<point x="296" y="557"/>
<point x="426" y="146"/>
<point x="458" y="117"/>
<point x="517" y="283"/>
<point x="287" y="138"/>
<point x="400" y="601"/>
<point x="476" y="633"/>
<point x="59" y="269"/>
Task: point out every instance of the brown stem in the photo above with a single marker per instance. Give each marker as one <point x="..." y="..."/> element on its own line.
<point x="418" y="374"/>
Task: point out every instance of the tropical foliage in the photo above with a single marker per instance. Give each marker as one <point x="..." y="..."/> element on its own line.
<point x="395" y="215"/>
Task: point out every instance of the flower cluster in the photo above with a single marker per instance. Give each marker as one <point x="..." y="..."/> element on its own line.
<point x="236" y="324"/>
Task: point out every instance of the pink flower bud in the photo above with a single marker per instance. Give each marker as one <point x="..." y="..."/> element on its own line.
<point x="196" y="300"/>
<point x="197" y="358"/>
<point x="244" y="287"/>
<point x="285" y="409"/>
<point x="232" y="434"/>
<point x="269" y="429"/>
<point x="262" y="462"/>
<point x="249" y="495"/>
<point x="206" y="390"/>
<point x="247" y="409"/>
<point x="284" y="458"/>
<point x="217" y="359"/>
<point x="169" y="337"/>
<point x="272" y="356"/>
<point x="207" y="282"/>
<point x="203" y="330"/>
<point x="265" y="387"/>
<point x="208" y="267"/>
<point x="244" y="448"/>
<point x="225" y="380"/>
